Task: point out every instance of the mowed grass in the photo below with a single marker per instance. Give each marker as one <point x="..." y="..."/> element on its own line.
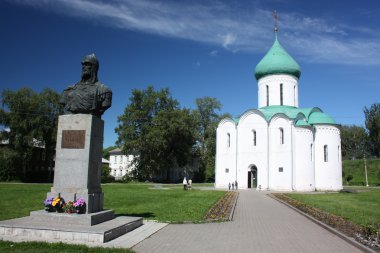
<point x="43" y="247"/>
<point x="362" y="208"/>
<point x="165" y="203"/>
<point x="169" y="203"/>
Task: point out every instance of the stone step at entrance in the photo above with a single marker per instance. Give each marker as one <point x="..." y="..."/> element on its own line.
<point x="33" y="229"/>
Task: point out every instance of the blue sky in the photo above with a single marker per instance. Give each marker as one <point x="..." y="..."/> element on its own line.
<point x="196" y="49"/>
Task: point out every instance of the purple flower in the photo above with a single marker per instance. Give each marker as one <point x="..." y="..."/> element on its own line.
<point x="48" y="201"/>
<point x="79" y="202"/>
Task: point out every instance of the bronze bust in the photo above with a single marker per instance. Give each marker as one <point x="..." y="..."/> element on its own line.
<point x="88" y="96"/>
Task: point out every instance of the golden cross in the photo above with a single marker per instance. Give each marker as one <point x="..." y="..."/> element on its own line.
<point x="275" y="21"/>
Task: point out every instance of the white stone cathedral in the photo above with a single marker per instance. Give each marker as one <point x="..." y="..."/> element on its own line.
<point x="279" y="146"/>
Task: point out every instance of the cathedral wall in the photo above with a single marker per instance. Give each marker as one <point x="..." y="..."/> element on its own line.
<point x="289" y="90"/>
<point x="225" y="171"/>
<point x="303" y="168"/>
<point x="328" y="163"/>
<point x="280" y="154"/>
<point x="252" y="149"/>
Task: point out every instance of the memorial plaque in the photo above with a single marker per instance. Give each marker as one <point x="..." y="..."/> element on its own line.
<point x="73" y="139"/>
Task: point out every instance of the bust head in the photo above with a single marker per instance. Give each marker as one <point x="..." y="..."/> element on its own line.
<point x="88" y="96"/>
<point x="90" y="66"/>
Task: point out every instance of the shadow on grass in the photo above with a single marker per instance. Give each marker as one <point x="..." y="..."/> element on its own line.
<point x="144" y="215"/>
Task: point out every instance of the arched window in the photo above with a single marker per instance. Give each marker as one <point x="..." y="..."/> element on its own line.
<point x="228" y="140"/>
<point x="311" y="152"/>
<point x="281" y="94"/>
<point x="254" y="137"/>
<point x="281" y="135"/>
<point x="325" y="153"/>
<point x="267" y="95"/>
<point x="294" y="95"/>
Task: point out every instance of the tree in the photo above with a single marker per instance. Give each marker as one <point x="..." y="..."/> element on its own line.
<point x="156" y="131"/>
<point x="354" y="142"/>
<point x="29" y="121"/>
<point x="207" y="119"/>
<point x="372" y="123"/>
<point x="106" y="152"/>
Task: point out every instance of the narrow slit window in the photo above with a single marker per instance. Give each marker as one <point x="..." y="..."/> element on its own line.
<point x="294" y="95"/>
<point x="228" y="140"/>
<point x="254" y="137"/>
<point x="311" y="152"/>
<point x="281" y="135"/>
<point x="338" y="153"/>
<point x="267" y="95"/>
<point x="281" y="94"/>
<point x="326" y="153"/>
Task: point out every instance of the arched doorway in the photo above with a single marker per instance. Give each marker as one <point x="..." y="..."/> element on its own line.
<point x="252" y="177"/>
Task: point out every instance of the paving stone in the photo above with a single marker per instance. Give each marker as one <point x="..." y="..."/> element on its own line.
<point x="260" y="224"/>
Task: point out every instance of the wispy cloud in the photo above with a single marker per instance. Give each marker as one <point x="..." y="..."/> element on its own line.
<point x="214" y="53"/>
<point x="231" y="27"/>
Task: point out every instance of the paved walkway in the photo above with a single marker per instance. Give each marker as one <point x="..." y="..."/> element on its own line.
<point x="260" y="224"/>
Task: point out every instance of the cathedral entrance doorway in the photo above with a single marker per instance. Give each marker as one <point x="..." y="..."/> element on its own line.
<point x="252" y="177"/>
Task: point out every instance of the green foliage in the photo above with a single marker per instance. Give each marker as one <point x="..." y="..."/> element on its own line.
<point x="372" y="123"/>
<point x="127" y="178"/>
<point x="105" y="176"/>
<point x="356" y="169"/>
<point x="32" y="122"/>
<point x="362" y="207"/>
<point x="106" y="152"/>
<point x="8" y="164"/>
<point x="156" y="131"/>
<point x="207" y="119"/>
<point x="44" y="247"/>
<point x="354" y="142"/>
<point x="349" y="178"/>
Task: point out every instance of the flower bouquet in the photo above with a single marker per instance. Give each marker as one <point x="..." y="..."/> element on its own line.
<point x="80" y="206"/>
<point x="58" y="204"/>
<point x="48" y="204"/>
<point x="69" y="207"/>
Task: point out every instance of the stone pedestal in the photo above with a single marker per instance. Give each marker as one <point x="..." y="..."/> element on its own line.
<point x="78" y="160"/>
<point x="77" y="175"/>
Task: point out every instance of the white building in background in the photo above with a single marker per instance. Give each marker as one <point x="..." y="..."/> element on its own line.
<point x="279" y="146"/>
<point x="120" y="164"/>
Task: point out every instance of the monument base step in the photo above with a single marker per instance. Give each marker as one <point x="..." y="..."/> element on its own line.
<point x="30" y="228"/>
<point x="89" y="219"/>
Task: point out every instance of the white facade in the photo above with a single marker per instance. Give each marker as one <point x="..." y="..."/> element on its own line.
<point x="279" y="146"/>
<point x="120" y="164"/>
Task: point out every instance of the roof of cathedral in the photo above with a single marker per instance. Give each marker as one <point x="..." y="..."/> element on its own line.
<point x="320" y="117"/>
<point x="310" y="116"/>
<point x="301" y="117"/>
<point x="277" y="61"/>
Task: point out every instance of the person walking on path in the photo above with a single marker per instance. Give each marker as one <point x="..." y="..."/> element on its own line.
<point x="229" y="186"/>
<point x="236" y="185"/>
<point x="232" y="185"/>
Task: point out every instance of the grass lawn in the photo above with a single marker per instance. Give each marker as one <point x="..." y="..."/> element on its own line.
<point x="362" y="208"/>
<point x="41" y="247"/>
<point x="166" y="203"/>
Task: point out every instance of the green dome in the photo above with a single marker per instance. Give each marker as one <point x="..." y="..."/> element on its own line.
<point x="277" y="61"/>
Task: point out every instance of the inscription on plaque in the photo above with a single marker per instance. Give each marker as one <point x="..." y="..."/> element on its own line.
<point x="73" y="139"/>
